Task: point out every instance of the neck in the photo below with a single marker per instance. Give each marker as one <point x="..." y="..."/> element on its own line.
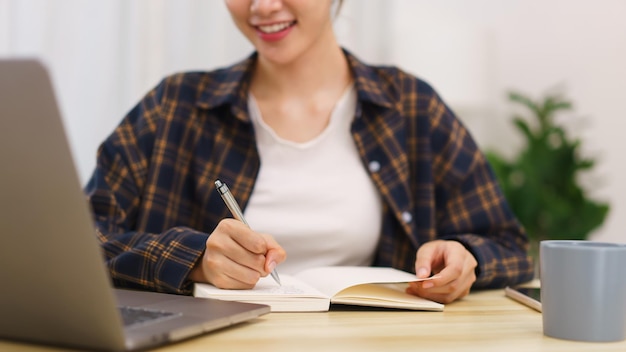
<point x="319" y="68"/>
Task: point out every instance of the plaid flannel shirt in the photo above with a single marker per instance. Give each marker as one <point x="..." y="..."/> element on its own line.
<point x="154" y="202"/>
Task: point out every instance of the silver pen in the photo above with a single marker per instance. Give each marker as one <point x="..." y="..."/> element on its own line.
<point x="232" y="205"/>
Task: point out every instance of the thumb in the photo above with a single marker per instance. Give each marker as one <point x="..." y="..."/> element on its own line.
<point x="423" y="261"/>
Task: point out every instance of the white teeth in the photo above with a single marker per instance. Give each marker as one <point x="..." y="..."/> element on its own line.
<point x="277" y="27"/>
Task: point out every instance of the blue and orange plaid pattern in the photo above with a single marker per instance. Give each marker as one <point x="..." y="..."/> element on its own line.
<point x="155" y="205"/>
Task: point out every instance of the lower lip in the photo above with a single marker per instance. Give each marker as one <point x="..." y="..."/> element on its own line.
<point x="274" y="37"/>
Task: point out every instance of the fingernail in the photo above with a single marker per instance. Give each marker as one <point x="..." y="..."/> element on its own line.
<point x="271" y="266"/>
<point x="422" y="272"/>
<point x="427" y="284"/>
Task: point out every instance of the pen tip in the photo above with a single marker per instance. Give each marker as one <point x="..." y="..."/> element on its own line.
<point x="218" y="183"/>
<point x="274" y="275"/>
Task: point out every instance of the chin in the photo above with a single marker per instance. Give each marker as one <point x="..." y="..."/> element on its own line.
<point x="278" y="56"/>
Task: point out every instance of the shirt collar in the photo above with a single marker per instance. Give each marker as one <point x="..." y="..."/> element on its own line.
<point x="370" y="85"/>
<point x="230" y="85"/>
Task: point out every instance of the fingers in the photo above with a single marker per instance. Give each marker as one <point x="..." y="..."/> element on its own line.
<point x="275" y="253"/>
<point x="454" y="266"/>
<point x="236" y="257"/>
<point x="423" y="262"/>
<point x="236" y="242"/>
<point x="232" y="275"/>
<point x="243" y="235"/>
<point x="446" y="293"/>
<point x="429" y="258"/>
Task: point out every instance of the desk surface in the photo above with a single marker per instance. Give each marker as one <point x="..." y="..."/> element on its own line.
<point x="483" y="321"/>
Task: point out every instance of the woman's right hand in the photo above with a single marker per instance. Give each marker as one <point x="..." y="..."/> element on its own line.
<point x="236" y="257"/>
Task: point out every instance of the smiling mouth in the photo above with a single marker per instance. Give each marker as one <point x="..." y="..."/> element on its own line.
<point x="276" y="27"/>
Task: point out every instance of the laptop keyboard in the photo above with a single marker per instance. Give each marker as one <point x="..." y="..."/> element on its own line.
<point x="135" y="316"/>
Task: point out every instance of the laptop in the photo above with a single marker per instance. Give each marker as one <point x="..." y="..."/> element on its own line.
<point x="54" y="285"/>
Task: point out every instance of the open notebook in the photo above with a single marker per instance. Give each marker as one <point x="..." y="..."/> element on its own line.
<point x="316" y="289"/>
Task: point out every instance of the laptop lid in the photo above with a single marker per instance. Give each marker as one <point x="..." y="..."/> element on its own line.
<point x="54" y="285"/>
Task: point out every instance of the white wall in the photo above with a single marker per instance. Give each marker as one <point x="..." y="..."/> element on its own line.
<point x="475" y="51"/>
<point x="104" y="55"/>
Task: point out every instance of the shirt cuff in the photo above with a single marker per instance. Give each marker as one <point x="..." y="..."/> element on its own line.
<point x="178" y="259"/>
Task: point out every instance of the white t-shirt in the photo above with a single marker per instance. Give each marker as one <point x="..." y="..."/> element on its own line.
<point x="315" y="198"/>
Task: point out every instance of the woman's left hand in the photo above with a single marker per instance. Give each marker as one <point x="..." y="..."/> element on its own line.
<point x="454" y="267"/>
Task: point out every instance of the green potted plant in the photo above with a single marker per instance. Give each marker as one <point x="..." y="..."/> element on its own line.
<point x="541" y="182"/>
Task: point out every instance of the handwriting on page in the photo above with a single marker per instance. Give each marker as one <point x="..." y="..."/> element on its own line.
<point x="280" y="290"/>
<point x="267" y="286"/>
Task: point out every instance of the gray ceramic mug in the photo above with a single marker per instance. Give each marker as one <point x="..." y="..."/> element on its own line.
<point x="583" y="290"/>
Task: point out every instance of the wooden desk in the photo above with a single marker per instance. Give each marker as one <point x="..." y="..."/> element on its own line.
<point x="483" y="321"/>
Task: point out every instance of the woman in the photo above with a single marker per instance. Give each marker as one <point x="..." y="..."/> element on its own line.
<point x="333" y="161"/>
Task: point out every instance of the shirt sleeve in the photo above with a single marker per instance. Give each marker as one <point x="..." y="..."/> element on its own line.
<point x="471" y="207"/>
<point x="137" y="259"/>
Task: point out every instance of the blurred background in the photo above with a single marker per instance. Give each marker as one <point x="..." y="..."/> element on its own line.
<point x="105" y="55"/>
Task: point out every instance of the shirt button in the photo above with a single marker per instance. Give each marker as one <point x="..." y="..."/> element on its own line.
<point x="374" y="166"/>
<point x="407" y="217"/>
